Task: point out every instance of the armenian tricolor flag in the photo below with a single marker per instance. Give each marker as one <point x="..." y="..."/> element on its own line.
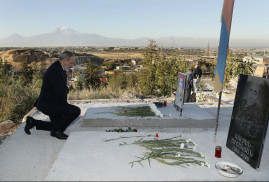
<point x="226" y="20"/>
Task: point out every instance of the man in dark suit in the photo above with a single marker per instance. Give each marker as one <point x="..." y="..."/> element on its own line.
<point x="52" y="100"/>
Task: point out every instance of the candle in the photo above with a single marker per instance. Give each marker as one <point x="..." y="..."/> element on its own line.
<point x="218" y="151"/>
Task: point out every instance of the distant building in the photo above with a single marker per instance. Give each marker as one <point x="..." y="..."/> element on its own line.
<point x="117" y="48"/>
<point x="110" y="72"/>
<point x="209" y="57"/>
<point x="124" y="68"/>
<point x="134" y="62"/>
<point x="261" y="60"/>
<point x="261" y="70"/>
<point x="261" y="63"/>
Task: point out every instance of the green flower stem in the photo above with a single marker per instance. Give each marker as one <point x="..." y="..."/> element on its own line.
<point x="123" y="137"/>
<point x="174" y="151"/>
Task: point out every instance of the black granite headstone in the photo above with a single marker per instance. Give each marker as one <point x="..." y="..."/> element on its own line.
<point x="249" y="119"/>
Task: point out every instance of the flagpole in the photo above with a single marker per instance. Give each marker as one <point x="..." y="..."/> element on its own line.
<point x="217" y="120"/>
<point x="226" y="22"/>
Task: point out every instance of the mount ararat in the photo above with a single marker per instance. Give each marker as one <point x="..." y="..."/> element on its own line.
<point x="64" y="36"/>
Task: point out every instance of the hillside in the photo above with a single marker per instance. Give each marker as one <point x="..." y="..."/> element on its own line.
<point x="38" y="56"/>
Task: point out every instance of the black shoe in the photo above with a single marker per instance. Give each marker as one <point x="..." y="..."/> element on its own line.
<point x="59" y="135"/>
<point x="64" y="134"/>
<point x="29" y="125"/>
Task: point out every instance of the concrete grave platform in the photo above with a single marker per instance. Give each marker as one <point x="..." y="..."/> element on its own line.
<point x="86" y="156"/>
<point x="192" y="117"/>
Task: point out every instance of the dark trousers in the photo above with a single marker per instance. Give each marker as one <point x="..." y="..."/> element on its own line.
<point x="187" y="95"/>
<point x="59" y="120"/>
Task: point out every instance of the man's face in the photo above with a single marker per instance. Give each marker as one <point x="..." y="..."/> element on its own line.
<point x="252" y="96"/>
<point x="69" y="63"/>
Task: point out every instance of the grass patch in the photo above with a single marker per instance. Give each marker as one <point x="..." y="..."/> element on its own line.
<point x="144" y="111"/>
<point x="121" y="130"/>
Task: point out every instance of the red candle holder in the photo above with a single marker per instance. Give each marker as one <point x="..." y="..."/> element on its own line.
<point x="218" y="150"/>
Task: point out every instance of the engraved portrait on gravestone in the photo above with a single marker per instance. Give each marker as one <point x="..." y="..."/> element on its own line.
<point x="248" y="109"/>
<point x="248" y="115"/>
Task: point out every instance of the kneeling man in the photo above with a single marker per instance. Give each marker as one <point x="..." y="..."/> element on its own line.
<point x="52" y="100"/>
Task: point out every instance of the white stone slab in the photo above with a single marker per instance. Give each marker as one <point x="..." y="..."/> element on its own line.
<point x="85" y="156"/>
<point x="190" y="111"/>
<point x="192" y="117"/>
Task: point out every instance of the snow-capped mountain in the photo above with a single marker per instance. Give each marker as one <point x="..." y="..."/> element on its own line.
<point x="64" y="36"/>
<point x="65" y="30"/>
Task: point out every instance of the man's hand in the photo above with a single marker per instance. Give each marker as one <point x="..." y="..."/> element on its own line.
<point x="68" y="80"/>
<point x="69" y="73"/>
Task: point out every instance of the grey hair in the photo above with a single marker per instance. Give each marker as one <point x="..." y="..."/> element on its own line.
<point x="66" y="55"/>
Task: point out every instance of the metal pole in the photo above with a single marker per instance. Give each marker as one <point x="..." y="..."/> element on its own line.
<point x="217" y="121"/>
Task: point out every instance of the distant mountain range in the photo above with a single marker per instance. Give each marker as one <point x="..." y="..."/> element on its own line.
<point x="64" y="36"/>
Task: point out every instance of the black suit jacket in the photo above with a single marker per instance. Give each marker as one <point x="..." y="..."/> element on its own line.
<point x="54" y="91"/>
<point x="197" y="72"/>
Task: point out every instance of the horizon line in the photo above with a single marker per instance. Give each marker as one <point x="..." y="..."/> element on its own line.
<point x="165" y="36"/>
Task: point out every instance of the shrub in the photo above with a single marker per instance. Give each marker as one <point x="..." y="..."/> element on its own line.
<point x="17" y="99"/>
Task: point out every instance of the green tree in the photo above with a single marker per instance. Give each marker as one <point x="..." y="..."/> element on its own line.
<point x="173" y="76"/>
<point x="79" y="83"/>
<point x="92" y="76"/>
<point x="183" y="66"/>
<point x="132" y="80"/>
<point x="235" y="67"/>
<point x="26" y="73"/>
<point x="1" y="69"/>
<point x="4" y="68"/>
<point x="146" y="80"/>
<point x="151" y="54"/>
<point x="43" y="66"/>
<point x="16" y="99"/>
<point x="246" y="68"/>
<point x="37" y="76"/>
<point x="118" y="81"/>
<point x="146" y="77"/>
<point x="122" y="81"/>
<point x="1" y="63"/>
<point x="163" y="77"/>
<point x="110" y="65"/>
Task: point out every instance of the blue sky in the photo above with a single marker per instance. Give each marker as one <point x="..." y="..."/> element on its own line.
<point x="134" y="18"/>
